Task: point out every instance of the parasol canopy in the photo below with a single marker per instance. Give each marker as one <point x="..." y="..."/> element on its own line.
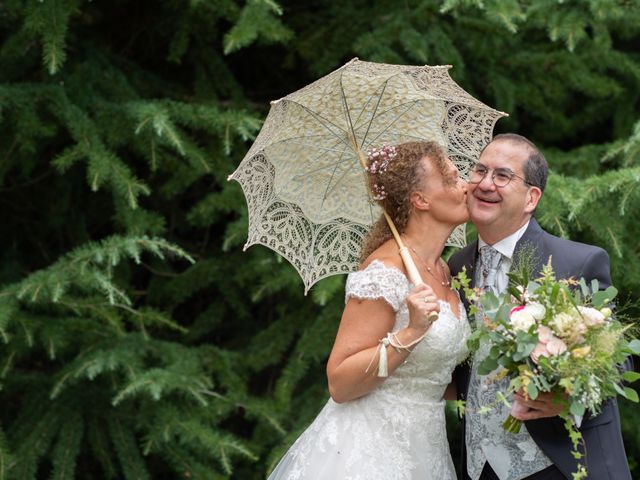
<point x="303" y="178"/>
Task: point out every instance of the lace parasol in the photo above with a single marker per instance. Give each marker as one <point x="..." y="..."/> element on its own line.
<point x="303" y="179"/>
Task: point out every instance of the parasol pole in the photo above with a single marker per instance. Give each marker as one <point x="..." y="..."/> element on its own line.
<point x="407" y="259"/>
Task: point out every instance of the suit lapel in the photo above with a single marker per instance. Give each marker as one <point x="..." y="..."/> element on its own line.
<point x="531" y="239"/>
<point x="470" y="264"/>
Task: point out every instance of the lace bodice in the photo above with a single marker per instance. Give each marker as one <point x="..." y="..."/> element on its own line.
<point x="397" y="430"/>
<point x="427" y="371"/>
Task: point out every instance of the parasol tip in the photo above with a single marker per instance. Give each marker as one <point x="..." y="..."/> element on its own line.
<point x="230" y="177"/>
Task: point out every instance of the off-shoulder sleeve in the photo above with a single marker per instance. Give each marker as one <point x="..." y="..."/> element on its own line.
<point x="378" y="281"/>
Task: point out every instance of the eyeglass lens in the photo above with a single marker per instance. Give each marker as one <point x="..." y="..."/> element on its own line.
<point x="501" y="176"/>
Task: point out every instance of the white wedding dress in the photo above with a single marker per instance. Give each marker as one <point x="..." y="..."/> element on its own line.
<point x="398" y="430"/>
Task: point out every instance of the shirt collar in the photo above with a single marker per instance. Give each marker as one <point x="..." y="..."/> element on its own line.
<point x="507" y="245"/>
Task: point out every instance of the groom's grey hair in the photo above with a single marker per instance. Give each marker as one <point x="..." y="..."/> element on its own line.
<point x="536" y="168"/>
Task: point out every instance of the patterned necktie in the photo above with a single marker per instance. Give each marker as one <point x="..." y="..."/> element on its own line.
<point x="489" y="262"/>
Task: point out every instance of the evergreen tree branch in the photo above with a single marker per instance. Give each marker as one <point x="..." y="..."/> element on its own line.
<point x="6" y="458"/>
<point x="50" y="20"/>
<point x="67" y="447"/>
<point x="128" y="453"/>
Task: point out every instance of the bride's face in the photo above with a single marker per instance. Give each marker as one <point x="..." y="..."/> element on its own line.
<point x="447" y="193"/>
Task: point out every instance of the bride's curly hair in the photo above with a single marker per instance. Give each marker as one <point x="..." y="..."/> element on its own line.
<point x="402" y="176"/>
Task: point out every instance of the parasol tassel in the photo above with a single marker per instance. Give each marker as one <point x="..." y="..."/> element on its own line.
<point x="383" y="365"/>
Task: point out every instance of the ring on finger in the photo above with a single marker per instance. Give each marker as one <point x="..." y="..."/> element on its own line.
<point x="425" y="299"/>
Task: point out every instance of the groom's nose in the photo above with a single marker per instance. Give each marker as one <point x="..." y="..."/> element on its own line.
<point x="487" y="182"/>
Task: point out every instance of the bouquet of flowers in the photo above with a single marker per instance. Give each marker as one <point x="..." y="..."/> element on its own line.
<point x="555" y="336"/>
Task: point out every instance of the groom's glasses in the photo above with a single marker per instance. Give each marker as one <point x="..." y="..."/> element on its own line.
<point x="500" y="176"/>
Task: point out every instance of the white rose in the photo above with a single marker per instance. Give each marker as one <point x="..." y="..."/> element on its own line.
<point x="536" y="310"/>
<point x="522" y="320"/>
<point x="591" y="316"/>
<point x="563" y="324"/>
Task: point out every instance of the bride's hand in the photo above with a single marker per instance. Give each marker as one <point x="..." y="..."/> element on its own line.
<point x="422" y="303"/>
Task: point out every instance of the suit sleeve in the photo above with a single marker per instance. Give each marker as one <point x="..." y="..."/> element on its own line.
<point x="596" y="266"/>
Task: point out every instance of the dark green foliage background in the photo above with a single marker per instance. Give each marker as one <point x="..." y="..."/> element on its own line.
<point x="137" y="339"/>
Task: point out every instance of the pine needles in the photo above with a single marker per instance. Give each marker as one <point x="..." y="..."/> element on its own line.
<point x="137" y="340"/>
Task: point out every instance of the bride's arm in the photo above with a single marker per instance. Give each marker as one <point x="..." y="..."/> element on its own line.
<point x="363" y="324"/>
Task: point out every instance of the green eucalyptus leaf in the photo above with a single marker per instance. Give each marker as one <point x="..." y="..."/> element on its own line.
<point x="631" y="394"/>
<point x="487" y="366"/>
<point x="618" y="389"/>
<point x="577" y="409"/>
<point x="532" y="390"/>
<point x="633" y="347"/>
<point x="631" y="376"/>
<point x="584" y="288"/>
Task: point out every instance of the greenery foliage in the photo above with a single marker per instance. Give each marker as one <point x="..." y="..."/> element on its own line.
<point x="137" y="339"/>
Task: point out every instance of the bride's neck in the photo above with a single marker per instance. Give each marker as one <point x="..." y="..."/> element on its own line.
<point x="426" y="239"/>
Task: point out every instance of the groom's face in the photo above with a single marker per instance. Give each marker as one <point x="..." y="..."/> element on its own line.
<point x="498" y="212"/>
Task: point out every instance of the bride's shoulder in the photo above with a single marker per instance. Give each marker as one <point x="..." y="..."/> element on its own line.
<point x="385" y="256"/>
<point x="381" y="276"/>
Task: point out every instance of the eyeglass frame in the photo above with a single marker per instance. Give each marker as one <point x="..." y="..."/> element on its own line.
<point x="510" y="173"/>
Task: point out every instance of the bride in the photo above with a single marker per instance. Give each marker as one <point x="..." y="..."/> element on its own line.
<point x="393" y="427"/>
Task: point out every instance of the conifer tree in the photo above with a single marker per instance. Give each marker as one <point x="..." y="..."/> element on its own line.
<point x="137" y="339"/>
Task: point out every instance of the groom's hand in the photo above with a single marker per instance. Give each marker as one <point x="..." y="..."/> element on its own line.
<point x="544" y="406"/>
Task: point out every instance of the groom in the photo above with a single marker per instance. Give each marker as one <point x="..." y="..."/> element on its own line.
<point x="504" y="189"/>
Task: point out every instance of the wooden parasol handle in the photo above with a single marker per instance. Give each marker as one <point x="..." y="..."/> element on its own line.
<point x="409" y="264"/>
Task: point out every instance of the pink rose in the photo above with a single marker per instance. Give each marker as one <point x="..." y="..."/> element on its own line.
<point x="548" y="345"/>
<point x="539" y="351"/>
<point x="555" y="346"/>
<point x="544" y="334"/>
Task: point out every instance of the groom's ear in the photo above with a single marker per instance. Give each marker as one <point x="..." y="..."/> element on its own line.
<point x="533" y="197"/>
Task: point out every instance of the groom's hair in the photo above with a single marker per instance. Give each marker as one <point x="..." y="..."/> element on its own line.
<point x="536" y="168"/>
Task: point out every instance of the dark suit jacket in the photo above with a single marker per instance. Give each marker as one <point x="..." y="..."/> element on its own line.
<point x="606" y="458"/>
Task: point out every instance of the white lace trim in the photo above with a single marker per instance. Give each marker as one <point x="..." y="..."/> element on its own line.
<point x="378" y="281"/>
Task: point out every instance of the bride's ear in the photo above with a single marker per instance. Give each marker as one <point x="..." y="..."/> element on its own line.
<point x="419" y="201"/>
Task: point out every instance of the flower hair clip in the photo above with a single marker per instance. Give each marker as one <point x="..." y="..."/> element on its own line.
<point x="379" y="158"/>
<point x="379" y="193"/>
